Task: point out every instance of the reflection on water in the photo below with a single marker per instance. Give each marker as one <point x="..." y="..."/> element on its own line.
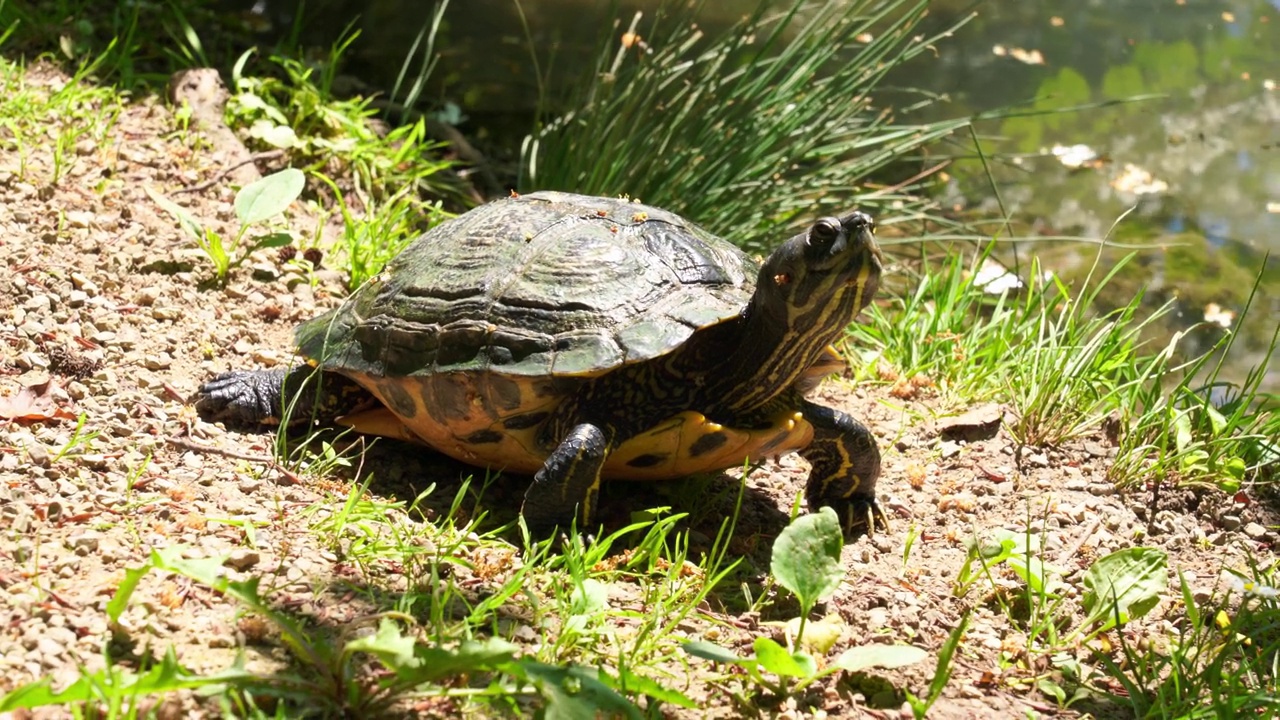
<point x="1201" y="163"/>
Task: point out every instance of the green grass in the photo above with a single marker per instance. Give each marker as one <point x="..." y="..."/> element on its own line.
<point x="39" y="111"/>
<point x="766" y="125"/>
<point x="393" y="181"/>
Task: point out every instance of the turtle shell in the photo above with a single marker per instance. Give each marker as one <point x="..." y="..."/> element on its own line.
<point x="542" y="285"/>
<point x="474" y="334"/>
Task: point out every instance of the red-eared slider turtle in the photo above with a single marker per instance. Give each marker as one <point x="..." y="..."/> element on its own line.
<point x="582" y="337"/>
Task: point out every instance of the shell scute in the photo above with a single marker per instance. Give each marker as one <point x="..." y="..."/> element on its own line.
<point x="547" y="283"/>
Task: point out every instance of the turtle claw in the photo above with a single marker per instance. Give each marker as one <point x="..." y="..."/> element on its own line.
<point x="861" y="515"/>
<point x="242" y="398"/>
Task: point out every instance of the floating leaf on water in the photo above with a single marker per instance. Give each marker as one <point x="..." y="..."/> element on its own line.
<point x="1133" y="179"/>
<point x="1029" y="57"/>
<point x="1215" y="313"/>
<point x="1022" y="55"/>
<point x="1076" y="156"/>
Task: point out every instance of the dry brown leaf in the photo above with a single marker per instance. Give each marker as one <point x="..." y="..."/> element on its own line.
<point x="33" y="403"/>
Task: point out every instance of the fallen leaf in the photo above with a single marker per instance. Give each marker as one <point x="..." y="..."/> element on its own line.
<point x="33" y="403"/>
<point x="980" y="423"/>
<point x="1133" y="179"/>
<point x="1215" y="313"/>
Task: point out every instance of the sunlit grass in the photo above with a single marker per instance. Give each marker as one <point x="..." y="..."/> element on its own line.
<point x="774" y="121"/>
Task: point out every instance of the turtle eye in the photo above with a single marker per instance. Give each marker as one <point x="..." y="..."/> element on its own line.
<point x="824" y="232"/>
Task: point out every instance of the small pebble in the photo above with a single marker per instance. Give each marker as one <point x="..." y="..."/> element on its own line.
<point x="242" y="559"/>
<point x="84" y="543"/>
<point x="37" y="453"/>
<point x="79" y="218"/>
<point x="1255" y="531"/>
<point x="146" y="296"/>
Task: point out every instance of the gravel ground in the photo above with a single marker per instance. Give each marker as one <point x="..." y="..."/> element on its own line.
<point x="105" y="313"/>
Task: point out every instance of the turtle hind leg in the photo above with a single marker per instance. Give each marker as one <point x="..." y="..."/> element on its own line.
<point x="569" y="482"/>
<point x="254" y="398"/>
<point x="845" y="466"/>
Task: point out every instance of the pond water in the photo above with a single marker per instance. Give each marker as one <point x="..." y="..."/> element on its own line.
<point x="1198" y="161"/>
<point x="1199" y="164"/>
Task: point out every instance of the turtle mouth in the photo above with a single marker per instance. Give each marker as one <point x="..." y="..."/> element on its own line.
<point x="861" y="253"/>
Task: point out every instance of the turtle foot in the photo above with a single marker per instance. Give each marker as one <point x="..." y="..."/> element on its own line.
<point x="242" y="398"/>
<point x="860" y="515"/>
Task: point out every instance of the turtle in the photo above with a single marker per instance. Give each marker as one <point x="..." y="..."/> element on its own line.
<point x="575" y="338"/>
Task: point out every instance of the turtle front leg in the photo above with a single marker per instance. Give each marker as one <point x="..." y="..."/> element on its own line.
<point x="569" y="481"/>
<point x="845" y="466"/>
<point x="253" y="398"/>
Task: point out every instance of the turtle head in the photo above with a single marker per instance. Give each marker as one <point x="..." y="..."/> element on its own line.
<point x="817" y="282"/>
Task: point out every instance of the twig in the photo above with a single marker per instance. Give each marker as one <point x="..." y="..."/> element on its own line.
<point x="270" y="462"/>
<point x="266" y="155"/>
<point x="1072" y="551"/>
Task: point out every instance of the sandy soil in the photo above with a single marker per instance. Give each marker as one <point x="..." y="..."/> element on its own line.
<point x="105" y="312"/>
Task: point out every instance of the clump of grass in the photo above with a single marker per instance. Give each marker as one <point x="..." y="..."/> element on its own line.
<point x="945" y="332"/>
<point x="255" y="204"/>
<point x="44" y="123"/>
<point x="389" y="186"/>
<point x="295" y="109"/>
<point x="1066" y="369"/>
<point x="1219" y="659"/>
<point x="1188" y="426"/>
<point x="772" y="120"/>
<point x="1076" y="366"/>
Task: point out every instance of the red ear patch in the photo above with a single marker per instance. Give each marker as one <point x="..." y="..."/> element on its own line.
<point x="782" y="278"/>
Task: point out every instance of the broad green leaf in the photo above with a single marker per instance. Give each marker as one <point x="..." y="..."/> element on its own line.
<point x="860" y="658"/>
<point x="775" y="658"/>
<point x="1124" y="585"/>
<point x="589" y="598"/>
<point x="185" y="219"/>
<point x="713" y="652"/>
<point x="273" y="240"/>
<point x="389" y="644"/>
<point x="629" y="682"/>
<point x="249" y="101"/>
<point x="1232" y="475"/>
<point x="1216" y="420"/>
<point x="431" y="664"/>
<point x="1052" y="689"/>
<point x="1033" y="571"/>
<point x="267" y="197"/>
<point x="1182" y="430"/>
<point x="806" y="557"/>
<point x="574" y="693"/>
<point x="206" y="570"/>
